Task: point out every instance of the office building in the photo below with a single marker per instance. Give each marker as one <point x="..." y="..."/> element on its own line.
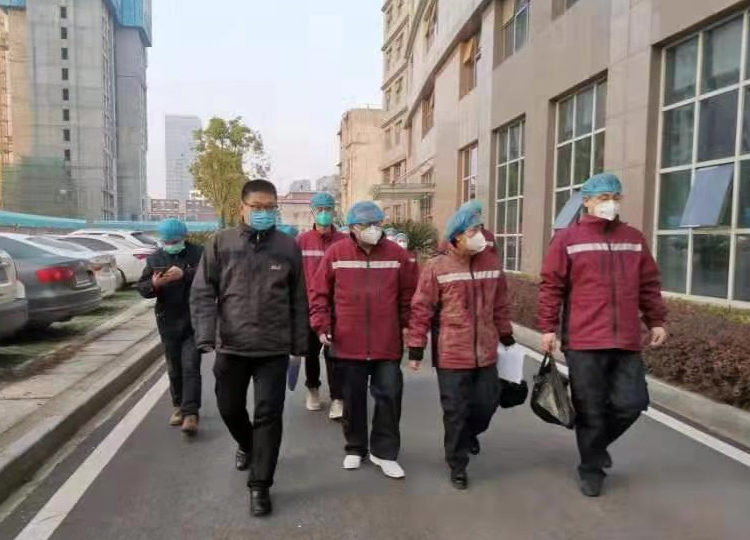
<point x="360" y="138"/>
<point x="180" y="154"/>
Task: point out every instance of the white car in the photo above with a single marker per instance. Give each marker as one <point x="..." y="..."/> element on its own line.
<point x="137" y="238"/>
<point x="103" y="265"/>
<point x="131" y="260"/>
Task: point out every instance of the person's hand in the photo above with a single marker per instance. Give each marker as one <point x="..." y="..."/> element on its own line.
<point x="159" y="280"/>
<point x="175" y="273"/>
<point x="415" y="365"/>
<point x="658" y="336"/>
<point x="326" y="339"/>
<point x="206" y="349"/>
<point x="549" y="342"/>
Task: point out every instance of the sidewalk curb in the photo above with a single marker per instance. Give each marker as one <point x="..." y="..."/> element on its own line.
<point x="51" y="358"/>
<point x="41" y="434"/>
<point x="724" y="420"/>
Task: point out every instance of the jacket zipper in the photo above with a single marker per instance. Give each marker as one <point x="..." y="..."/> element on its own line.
<point x="367" y="305"/>
<point x="474" y="309"/>
<point x="613" y="282"/>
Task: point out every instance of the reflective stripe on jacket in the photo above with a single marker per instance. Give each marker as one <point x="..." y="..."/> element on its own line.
<point x="469" y="296"/>
<point x="363" y="300"/>
<point x="601" y="277"/>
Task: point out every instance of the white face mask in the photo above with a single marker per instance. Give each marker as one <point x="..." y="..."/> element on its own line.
<point x="476" y="243"/>
<point x="404" y="245"/>
<point x="608" y="210"/>
<point x="371" y="235"/>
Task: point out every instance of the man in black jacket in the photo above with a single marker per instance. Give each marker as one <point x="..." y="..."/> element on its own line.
<point x="167" y="277"/>
<point x="249" y="303"/>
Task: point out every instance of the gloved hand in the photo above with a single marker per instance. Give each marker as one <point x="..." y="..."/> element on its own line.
<point x="292" y="372"/>
<point x="508" y="341"/>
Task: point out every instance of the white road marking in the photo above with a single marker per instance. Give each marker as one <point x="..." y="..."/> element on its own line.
<point x="49" y="518"/>
<point x="689" y="431"/>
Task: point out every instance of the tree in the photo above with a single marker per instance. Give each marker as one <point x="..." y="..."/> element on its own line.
<point x="223" y="151"/>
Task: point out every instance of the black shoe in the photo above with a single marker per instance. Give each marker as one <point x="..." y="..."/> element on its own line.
<point x="260" y="502"/>
<point x="474" y="447"/>
<point x="607" y="461"/>
<point x="242" y="460"/>
<point x="459" y="480"/>
<point x="591" y="485"/>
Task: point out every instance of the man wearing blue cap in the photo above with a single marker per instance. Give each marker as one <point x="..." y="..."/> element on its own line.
<point x="314" y="245"/>
<point x="599" y="273"/>
<point x="359" y="307"/>
<point x="168" y="277"/>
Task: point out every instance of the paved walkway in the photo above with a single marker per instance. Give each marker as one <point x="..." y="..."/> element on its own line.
<point x="159" y="486"/>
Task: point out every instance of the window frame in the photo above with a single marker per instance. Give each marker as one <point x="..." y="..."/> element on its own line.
<point x="428" y="114"/>
<point x="734" y="231"/>
<point x="467" y="181"/>
<point x="519" y="7"/>
<point x="505" y="198"/>
<point x="592" y="135"/>
<point x="431" y="25"/>
<point x="468" y="79"/>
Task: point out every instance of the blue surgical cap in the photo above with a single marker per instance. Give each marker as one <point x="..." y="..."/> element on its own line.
<point x="323" y="200"/>
<point x="473" y="206"/>
<point x="364" y="212"/>
<point x="289" y="230"/>
<point x="171" y="230"/>
<point x="601" y="183"/>
<point x="464" y="219"/>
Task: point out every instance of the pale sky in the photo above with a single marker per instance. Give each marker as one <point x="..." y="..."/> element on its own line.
<point x="290" y="68"/>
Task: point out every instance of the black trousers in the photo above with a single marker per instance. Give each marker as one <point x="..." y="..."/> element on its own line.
<point x="184" y="371"/>
<point x="386" y="387"/>
<point x="609" y="393"/>
<point x="261" y="438"/>
<point x="469" y="398"/>
<point x="312" y="367"/>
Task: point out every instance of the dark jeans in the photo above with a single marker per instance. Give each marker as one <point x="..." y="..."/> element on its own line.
<point x="312" y="367"/>
<point x="261" y="438"/>
<point x="469" y="398"/>
<point x="609" y="393"/>
<point x="184" y="371"/>
<point x="386" y="387"/>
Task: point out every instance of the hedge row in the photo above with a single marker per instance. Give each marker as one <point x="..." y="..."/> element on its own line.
<point x="708" y="349"/>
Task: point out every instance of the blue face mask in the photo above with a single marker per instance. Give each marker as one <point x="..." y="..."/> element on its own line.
<point x="174" y="249"/>
<point x="261" y="220"/>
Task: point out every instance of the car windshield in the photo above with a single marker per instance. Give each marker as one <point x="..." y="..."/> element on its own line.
<point x="56" y="244"/>
<point x="91" y="243"/>
<point x="146" y="239"/>
<point x="21" y="250"/>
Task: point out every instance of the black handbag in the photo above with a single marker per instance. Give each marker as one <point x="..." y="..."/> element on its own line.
<point x="549" y="397"/>
<point x="513" y="394"/>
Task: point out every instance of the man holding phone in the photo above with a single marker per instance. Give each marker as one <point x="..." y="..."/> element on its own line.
<point x="168" y="277"/>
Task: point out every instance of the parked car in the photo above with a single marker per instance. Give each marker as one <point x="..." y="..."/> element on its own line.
<point x="57" y="288"/>
<point x="104" y="265"/>
<point x="130" y="260"/>
<point x="14" y="308"/>
<point x="137" y="238"/>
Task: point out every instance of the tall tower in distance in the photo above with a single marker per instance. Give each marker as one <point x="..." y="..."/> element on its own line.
<point x="180" y="153"/>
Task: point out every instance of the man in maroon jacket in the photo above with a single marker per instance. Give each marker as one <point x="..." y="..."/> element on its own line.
<point x="314" y="244"/>
<point x="359" y="307"/>
<point x="599" y="273"/>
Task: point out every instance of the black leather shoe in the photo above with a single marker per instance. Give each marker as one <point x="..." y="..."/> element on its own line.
<point x="459" y="480"/>
<point x="474" y="447"/>
<point x="242" y="460"/>
<point x="607" y="461"/>
<point x="591" y="485"/>
<point x="260" y="502"/>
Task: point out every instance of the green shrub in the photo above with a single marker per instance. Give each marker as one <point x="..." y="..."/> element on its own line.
<point x="199" y="238"/>
<point x="423" y="237"/>
<point x="708" y="350"/>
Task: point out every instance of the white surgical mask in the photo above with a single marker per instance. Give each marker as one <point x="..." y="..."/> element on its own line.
<point x="371" y="235"/>
<point x="608" y="210"/>
<point x="476" y="243"/>
<point x="404" y="245"/>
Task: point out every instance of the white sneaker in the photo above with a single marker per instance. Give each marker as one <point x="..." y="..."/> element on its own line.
<point x="352" y="462"/>
<point x="336" y="411"/>
<point x="390" y="468"/>
<point x="313" y="400"/>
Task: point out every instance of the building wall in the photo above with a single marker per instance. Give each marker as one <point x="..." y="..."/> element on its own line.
<point x="132" y="128"/>
<point x="180" y="154"/>
<point x="618" y="41"/>
<point x="361" y="154"/>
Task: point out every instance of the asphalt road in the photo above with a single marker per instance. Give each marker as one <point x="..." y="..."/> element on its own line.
<point x="161" y="486"/>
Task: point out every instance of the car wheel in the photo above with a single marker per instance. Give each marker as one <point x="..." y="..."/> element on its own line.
<point x="121" y="281"/>
<point x="38" y="325"/>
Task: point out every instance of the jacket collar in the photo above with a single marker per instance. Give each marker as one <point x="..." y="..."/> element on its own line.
<point x="256" y="237"/>
<point x="598" y="223"/>
<point x="323" y="234"/>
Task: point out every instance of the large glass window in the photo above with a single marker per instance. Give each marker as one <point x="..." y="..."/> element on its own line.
<point x="580" y="137"/>
<point x="703" y="210"/>
<point x="515" y="31"/>
<point x="509" y="174"/>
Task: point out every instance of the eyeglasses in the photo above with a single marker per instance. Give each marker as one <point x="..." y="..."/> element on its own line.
<point x="261" y="208"/>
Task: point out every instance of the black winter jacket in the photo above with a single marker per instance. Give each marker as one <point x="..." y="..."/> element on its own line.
<point x="173" y="300"/>
<point x="249" y="297"/>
